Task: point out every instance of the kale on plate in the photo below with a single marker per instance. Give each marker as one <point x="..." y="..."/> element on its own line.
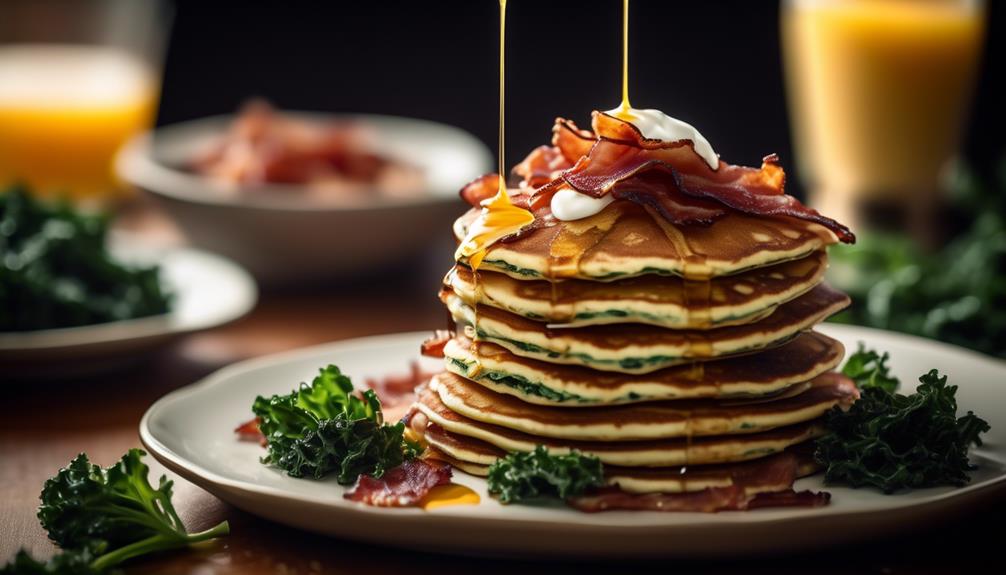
<point x="892" y="441"/>
<point x="323" y="428"/>
<point x="55" y="269"/>
<point x="540" y="474"/>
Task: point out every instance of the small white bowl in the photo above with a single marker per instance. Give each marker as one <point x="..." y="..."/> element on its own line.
<point x="284" y="236"/>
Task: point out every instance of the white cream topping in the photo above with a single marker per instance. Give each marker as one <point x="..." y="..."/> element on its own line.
<point x="569" y="205"/>
<point x="656" y="125"/>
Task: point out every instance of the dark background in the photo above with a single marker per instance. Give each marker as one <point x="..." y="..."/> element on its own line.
<point x="715" y="64"/>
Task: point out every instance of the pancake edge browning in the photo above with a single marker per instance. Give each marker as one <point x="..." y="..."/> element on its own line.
<point x="503" y="292"/>
<point x="643" y="421"/>
<point x="531" y="339"/>
<point x="542" y="383"/>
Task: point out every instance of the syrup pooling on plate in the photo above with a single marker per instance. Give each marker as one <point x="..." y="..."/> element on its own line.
<point x="449" y="495"/>
<point x="500" y="217"/>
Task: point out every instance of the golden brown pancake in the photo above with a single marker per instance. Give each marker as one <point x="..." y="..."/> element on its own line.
<point x="667" y="302"/>
<point x="656" y="420"/>
<point x="474" y="456"/>
<point x="628" y="348"/>
<point x="626" y="240"/>
<point x="542" y="383"/>
<point x="644" y="453"/>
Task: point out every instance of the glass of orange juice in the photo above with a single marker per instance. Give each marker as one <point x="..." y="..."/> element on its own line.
<point x="878" y="94"/>
<point x="77" y="79"/>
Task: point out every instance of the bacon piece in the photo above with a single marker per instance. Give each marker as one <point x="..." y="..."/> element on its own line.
<point x="790" y="498"/>
<point x="771" y="472"/>
<point x="434" y="346"/>
<point x="650" y="189"/>
<point x="541" y="166"/>
<point x="619" y="152"/>
<point x="403" y="486"/>
<point x="709" y="500"/>
<point x="571" y="141"/>
<point x="480" y="189"/>
<point x="249" y="431"/>
<point x="397" y="392"/>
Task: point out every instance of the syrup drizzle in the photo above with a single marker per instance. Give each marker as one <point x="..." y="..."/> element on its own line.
<point x="625" y="108"/>
<point x="499" y="217"/>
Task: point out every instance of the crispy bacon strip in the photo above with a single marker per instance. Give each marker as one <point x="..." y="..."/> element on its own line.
<point x="790" y="498"/>
<point x="776" y="470"/>
<point x="249" y="431"/>
<point x="480" y="189"/>
<point x="434" y="346"/>
<point x="571" y="141"/>
<point x="541" y="166"/>
<point x="651" y="189"/>
<point x="710" y="500"/>
<point x="621" y="153"/>
<point x="403" y="486"/>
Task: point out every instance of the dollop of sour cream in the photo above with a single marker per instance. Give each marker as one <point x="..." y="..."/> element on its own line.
<point x="656" y="125"/>
<point x="568" y="205"/>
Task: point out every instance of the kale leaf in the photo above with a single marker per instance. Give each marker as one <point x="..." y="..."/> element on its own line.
<point x="538" y="474"/>
<point x="116" y="509"/>
<point x="869" y="369"/>
<point x="56" y="272"/>
<point x="102" y="517"/>
<point x="324" y="428"/>
<point x="76" y="562"/>
<point x="893" y="441"/>
<point x="956" y="294"/>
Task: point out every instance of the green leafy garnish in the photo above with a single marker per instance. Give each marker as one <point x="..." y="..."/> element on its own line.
<point x="869" y="369"/>
<point x="325" y="428"/>
<point x="893" y="441"/>
<point x="956" y="294"/>
<point x="56" y="272"/>
<point x="78" y="562"/>
<point x="539" y="474"/>
<point x="102" y="517"/>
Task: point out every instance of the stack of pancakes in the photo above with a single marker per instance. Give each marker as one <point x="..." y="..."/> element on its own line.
<point x="682" y="357"/>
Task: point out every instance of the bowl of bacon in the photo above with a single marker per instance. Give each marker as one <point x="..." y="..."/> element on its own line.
<point x="297" y="196"/>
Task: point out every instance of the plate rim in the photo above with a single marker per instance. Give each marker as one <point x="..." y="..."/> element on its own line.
<point x="136" y="165"/>
<point x="204" y="477"/>
<point x="154" y="326"/>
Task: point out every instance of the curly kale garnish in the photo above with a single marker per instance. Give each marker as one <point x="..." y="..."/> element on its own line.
<point x="55" y="270"/>
<point x="77" y="562"/>
<point x="539" y="474"/>
<point x="893" y="441"/>
<point x="324" y="428"/>
<point x="102" y="517"/>
<point x="869" y="369"/>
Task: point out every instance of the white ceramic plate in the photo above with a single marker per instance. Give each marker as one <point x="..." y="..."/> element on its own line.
<point x="209" y="291"/>
<point x="191" y="432"/>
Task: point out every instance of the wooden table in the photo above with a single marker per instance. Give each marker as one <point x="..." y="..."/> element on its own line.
<point x="43" y="425"/>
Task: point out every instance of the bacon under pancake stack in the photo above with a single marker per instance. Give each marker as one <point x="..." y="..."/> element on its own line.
<point x="657" y="313"/>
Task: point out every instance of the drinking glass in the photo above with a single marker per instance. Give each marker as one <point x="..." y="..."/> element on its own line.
<point x="77" y="79"/>
<point x="878" y="94"/>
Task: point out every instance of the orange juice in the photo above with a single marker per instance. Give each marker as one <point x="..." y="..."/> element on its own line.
<point x="878" y="92"/>
<point x="64" y="112"/>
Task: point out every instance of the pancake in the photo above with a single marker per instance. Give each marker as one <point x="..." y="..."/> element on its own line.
<point x="657" y="420"/>
<point x="474" y="456"/>
<point x="626" y="240"/>
<point x="669" y="302"/>
<point x="649" y="453"/>
<point x="542" y="383"/>
<point x="627" y="348"/>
